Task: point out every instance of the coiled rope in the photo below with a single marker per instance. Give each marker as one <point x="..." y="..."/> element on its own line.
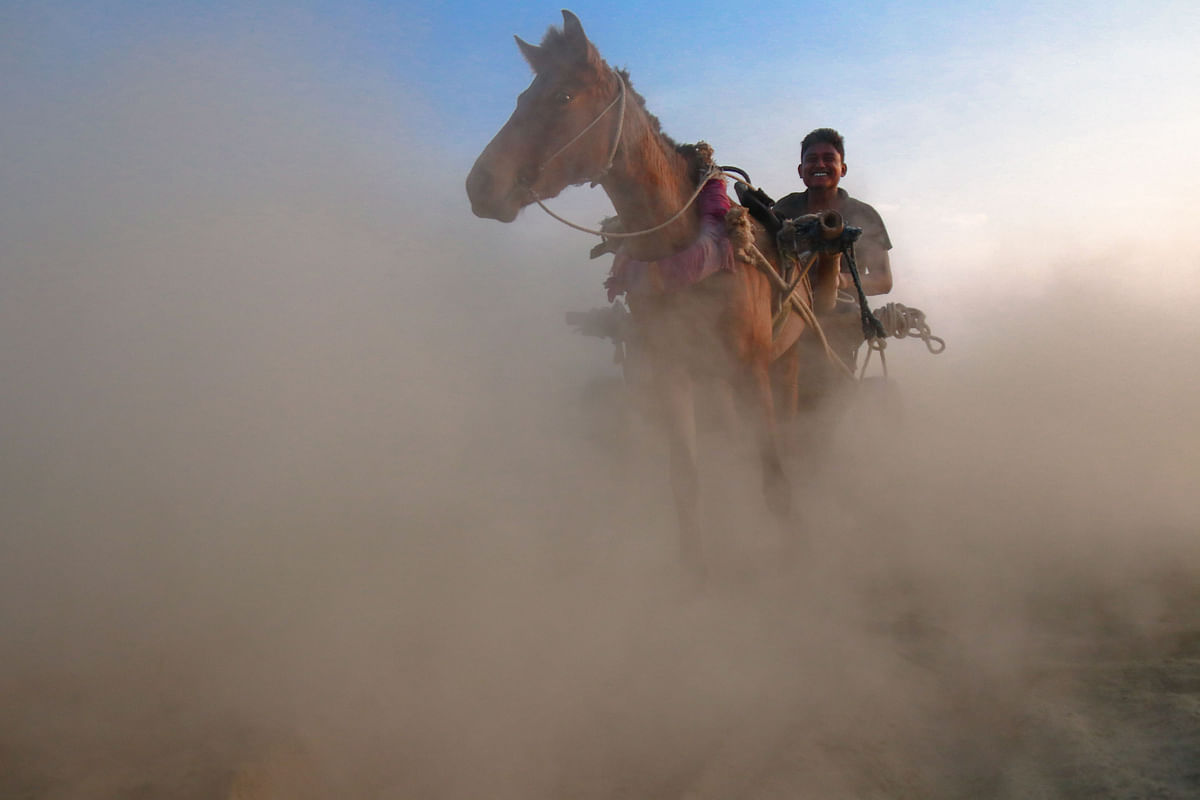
<point x="900" y="322"/>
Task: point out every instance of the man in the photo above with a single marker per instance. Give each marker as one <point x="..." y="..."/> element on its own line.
<point x="822" y="166"/>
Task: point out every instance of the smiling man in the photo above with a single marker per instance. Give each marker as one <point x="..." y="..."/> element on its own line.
<point x="822" y="166"/>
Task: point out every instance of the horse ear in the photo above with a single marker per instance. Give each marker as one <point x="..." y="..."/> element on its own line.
<point x="531" y="53"/>
<point x="574" y="30"/>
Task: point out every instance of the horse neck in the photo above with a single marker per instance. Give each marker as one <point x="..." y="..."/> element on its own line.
<point x="649" y="182"/>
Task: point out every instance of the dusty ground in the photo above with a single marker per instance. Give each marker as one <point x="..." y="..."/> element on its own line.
<point x="571" y="659"/>
<point x="1087" y="716"/>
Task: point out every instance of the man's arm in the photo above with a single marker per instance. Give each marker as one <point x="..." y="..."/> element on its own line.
<point x="874" y="268"/>
<point x="871" y="251"/>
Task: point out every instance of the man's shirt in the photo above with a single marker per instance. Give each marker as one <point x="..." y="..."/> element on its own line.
<point x="871" y="248"/>
<point x="854" y="212"/>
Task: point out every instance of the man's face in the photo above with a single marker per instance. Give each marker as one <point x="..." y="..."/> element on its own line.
<point x="822" y="166"/>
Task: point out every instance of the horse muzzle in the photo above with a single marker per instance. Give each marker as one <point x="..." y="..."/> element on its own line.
<point x="491" y="199"/>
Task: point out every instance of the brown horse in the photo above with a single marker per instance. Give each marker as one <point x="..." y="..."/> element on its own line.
<point x="573" y="125"/>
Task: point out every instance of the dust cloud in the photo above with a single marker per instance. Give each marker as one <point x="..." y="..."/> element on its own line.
<point x="307" y="489"/>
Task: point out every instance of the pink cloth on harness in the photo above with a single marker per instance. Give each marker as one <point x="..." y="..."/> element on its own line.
<point x="711" y="252"/>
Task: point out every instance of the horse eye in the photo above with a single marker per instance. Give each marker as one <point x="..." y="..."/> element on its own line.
<point x="562" y="98"/>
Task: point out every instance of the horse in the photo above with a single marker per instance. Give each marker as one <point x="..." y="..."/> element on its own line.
<point x="574" y="124"/>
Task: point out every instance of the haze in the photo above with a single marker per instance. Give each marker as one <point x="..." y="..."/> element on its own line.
<point x="298" y="456"/>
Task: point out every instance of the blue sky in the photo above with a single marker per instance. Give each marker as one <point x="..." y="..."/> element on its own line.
<point x="963" y="122"/>
<point x="461" y="59"/>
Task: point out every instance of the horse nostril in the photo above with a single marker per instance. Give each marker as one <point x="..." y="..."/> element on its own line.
<point x="479" y="184"/>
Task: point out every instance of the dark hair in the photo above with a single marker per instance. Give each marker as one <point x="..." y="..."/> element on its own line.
<point x="824" y="136"/>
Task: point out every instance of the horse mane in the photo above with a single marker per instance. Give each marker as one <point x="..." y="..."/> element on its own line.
<point x="699" y="156"/>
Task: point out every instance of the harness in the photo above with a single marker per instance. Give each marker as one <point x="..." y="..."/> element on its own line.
<point x="794" y="237"/>
<point x="619" y="100"/>
<point x="800" y="238"/>
<point x="612" y="150"/>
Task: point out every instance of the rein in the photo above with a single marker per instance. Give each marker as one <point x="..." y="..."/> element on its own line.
<point x="612" y="151"/>
<point x="612" y="155"/>
<point x="712" y="173"/>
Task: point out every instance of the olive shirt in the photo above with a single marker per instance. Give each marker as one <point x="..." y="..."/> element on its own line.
<point x="874" y="242"/>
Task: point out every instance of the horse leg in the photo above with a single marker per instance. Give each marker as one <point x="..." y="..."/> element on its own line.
<point x="785" y="377"/>
<point x="674" y="389"/>
<point x="756" y="394"/>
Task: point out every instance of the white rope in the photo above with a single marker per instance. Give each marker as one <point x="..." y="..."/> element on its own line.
<point x="875" y="346"/>
<point x="612" y="151"/>
<point x="899" y="322"/>
<point x="712" y="173"/>
<point x="752" y="255"/>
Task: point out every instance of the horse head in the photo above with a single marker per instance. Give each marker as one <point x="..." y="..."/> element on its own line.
<point x="563" y="132"/>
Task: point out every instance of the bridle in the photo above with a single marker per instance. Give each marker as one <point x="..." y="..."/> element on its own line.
<point x="618" y="101"/>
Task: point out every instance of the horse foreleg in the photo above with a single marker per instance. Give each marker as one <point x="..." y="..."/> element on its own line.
<point x="785" y="377"/>
<point x="755" y="390"/>
<point x="673" y="386"/>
